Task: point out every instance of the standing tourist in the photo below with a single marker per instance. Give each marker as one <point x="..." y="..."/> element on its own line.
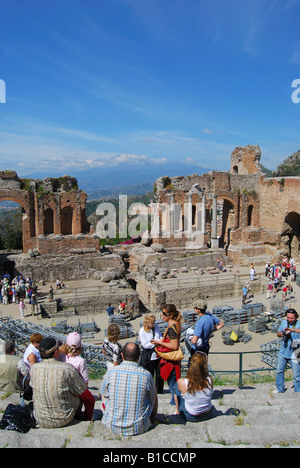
<point x="170" y="370"/>
<point x="270" y="289"/>
<point x="110" y="310"/>
<point x="149" y="358"/>
<point x="22" y="307"/>
<point x="252" y="272"/>
<point x="289" y="330"/>
<point x="204" y="327"/>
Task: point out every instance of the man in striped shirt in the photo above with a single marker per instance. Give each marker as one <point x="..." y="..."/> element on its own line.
<point x="129" y="394"/>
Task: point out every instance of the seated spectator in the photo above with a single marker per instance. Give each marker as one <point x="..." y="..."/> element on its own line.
<point x="130" y="396"/>
<point x="58" y="389"/>
<point x="32" y="354"/>
<point x="73" y="351"/>
<point x="111" y="348"/>
<point x="10" y="377"/>
<point x="195" y="392"/>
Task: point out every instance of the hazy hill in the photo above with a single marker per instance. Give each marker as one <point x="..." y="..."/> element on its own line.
<point x="289" y="167"/>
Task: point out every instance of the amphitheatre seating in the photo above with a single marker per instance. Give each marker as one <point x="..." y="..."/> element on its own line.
<point x="242" y="417"/>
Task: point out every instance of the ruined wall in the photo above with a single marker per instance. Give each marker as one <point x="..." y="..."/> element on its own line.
<point x="260" y="212"/>
<point x="246" y="160"/>
<point x="54" y="213"/>
<point x="66" y="267"/>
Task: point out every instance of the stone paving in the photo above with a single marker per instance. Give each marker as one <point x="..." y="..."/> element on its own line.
<point x="242" y="417"/>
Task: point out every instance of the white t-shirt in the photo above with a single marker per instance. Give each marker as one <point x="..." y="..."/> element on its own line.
<point x="146" y="337"/>
<point x="31" y="350"/>
<point x="200" y="402"/>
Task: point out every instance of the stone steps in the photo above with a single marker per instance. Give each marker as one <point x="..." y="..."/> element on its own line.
<point x="242" y="417"/>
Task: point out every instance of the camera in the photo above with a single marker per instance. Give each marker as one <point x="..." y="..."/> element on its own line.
<point x="286" y="336"/>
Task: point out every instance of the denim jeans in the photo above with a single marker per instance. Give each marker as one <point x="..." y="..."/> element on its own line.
<point x="172" y="382"/>
<point x="282" y="363"/>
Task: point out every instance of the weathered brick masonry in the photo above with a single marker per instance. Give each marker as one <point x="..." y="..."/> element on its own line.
<point x="54" y="213"/>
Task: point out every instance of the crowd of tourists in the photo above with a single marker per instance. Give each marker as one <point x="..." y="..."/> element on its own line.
<point x="17" y="288"/>
<point x="55" y="376"/>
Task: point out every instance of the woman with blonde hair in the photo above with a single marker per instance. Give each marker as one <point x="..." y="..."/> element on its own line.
<point x="149" y="358"/>
<point x="195" y="392"/>
<point x="170" y="370"/>
<point x="111" y="347"/>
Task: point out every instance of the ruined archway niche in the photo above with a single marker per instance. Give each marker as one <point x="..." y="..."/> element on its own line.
<point x="291" y="233"/>
<point x="54" y="213"/>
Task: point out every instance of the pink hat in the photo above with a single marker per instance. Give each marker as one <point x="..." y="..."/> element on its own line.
<point x="74" y="340"/>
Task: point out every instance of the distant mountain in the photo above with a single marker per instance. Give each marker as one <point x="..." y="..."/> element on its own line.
<point x="129" y="179"/>
<point x="289" y="167"/>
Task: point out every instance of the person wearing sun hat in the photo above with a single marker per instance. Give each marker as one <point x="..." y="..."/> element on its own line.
<point x="57" y="387"/>
<point x="73" y="351"/>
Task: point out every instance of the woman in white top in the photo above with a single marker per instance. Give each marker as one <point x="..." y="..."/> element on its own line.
<point x="195" y="392"/>
<point x="149" y="358"/>
<point x="32" y="354"/>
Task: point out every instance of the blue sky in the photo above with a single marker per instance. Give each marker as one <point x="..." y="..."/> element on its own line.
<point x="108" y="83"/>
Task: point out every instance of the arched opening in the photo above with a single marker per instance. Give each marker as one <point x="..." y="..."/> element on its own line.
<point x="11" y="230"/>
<point x="194" y="212"/>
<point x="250" y="215"/>
<point x="85" y="225"/>
<point x="226" y="221"/>
<point x="48" y="222"/>
<point x="291" y="233"/>
<point x="235" y="169"/>
<point x="66" y="220"/>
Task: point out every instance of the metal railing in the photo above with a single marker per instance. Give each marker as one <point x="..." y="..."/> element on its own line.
<point x="241" y="371"/>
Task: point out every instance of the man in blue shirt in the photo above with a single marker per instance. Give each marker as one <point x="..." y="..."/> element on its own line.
<point x="204" y="327"/>
<point x="289" y="330"/>
<point x="110" y="310"/>
<point x="130" y="396"/>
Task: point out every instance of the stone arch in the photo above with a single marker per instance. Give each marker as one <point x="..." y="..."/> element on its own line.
<point x="291" y="233"/>
<point x="250" y="215"/>
<point x="13" y="197"/>
<point x="228" y="220"/>
<point x="48" y="221"/>
<point x="67" y="220"/>
<point x="28" y="213"/>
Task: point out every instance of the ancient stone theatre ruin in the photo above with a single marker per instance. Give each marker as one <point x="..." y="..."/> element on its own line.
<point x="54" y="213"/>
<point x="242" y="210"/>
